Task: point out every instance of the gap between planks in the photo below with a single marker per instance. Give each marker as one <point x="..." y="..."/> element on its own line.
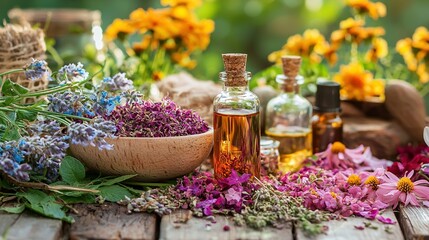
<point x="415" y="222"/>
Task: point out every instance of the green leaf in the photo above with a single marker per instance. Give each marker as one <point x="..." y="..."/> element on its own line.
<point x="85" y="198"/>
<point x="45" y="205"/>
<point x="19" y="208"/>
<point x="116" y="180"/>
<point x="134" y="191"/>
<point x="114" y="193"/>
<point x="12" y="130"/>
<point x="33" y="196"/>
<point x="11" y="133"/>
<point x="71" y="170"/>
<point x="26" y="115"/>
<point x="10" y="88"/>
<point x="11" y="116"/>
<point x="7" y="101"/>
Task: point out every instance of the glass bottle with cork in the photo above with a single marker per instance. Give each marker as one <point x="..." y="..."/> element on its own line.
<point x="288" y="118"/>
<point x="236" y="121"/>
<point x="327" y="125"/>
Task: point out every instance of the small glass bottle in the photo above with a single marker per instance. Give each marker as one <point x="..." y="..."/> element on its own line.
<point x="288" y="118"/>
<point x="270" y="156"/>
<point x="327" y="125"/>
<point x="236" y="121"/>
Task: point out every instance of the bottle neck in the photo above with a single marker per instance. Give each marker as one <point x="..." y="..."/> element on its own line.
<point x="235" y="88"/>
<point x="289" y="85"/>
<point x="292" y="88"/>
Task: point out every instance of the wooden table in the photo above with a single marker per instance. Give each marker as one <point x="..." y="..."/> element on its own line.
<point x="110" y="221"/>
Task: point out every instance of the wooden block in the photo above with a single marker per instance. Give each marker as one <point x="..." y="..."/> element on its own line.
<point x="345" y="229"/>
<point x="6" y="221"/>
<point x="415" y="222"/>
<point x="181" y="225"/>
<point x="32" y="226"/>
<point x="111" y="221"/>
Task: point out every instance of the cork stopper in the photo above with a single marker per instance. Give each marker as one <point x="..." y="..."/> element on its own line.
<point x="235" y="69"/>
<point x="291" y="65"/>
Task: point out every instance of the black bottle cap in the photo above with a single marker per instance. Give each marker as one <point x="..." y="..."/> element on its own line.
<point x="328" y="97"/>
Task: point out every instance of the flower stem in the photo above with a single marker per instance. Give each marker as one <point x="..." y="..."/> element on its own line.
<point x="11" y="71"/>
<point x="47" y="113"/>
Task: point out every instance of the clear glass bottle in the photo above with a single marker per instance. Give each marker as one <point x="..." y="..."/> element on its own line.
<point x="288" y="118"/>
<point x="236" y="121"/>
<point x="327" y="125"/>
<point x="270" y="156"/>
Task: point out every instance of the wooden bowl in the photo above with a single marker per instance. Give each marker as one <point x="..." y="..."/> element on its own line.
<point x="153" y="159"/>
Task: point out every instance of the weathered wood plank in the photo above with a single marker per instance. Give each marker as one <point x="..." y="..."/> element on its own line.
<point x="111" y="221"/>
<point x="31" y="226"/>
<point x="345" y="229"/>
<point x="6" y="221"/>
<point x="415" y="222"/>
<point x="181" y="225"/>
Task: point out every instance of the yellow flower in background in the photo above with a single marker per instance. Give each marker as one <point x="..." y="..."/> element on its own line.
<point x="415" y="52"/>
<point x="118" y="30"/>
<point x="311" y="45"/>
<point x="183" y="59"/>
<point x="378" y="50"/>
<point x="373" y="9"/>
<point x="423" y="73"/>
<point x="196" y="34"/>
<point x="358" y="84"/>
<point x="157" y="75"/>
<point x="351" y="23"/>
<point x="353" y="30"/>
<point x="191" y="4"/>
<point x="421" y="39"/>
<point x="161" y="37"/>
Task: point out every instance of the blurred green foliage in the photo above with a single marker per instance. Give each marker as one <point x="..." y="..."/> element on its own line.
<point x="255" y="27"/>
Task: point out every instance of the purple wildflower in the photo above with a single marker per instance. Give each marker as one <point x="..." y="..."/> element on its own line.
<point x="156" y="119"/>
<point x="117" y="83"/>
<point x="93" y="134"/>
<point x="45" y="148"/>
<point x="69" y="103"/>
<point x="71" y="73"/>
<point x="37" y="69"/>
<point x="132" y="96"/>
<point x="103" y="104"/>
<point x="11" y="161"/>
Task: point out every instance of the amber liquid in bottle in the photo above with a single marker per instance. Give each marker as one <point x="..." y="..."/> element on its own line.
<point x="295" y="147"/>
<point x="327" y="128"/>
<point x="236" y="143"/>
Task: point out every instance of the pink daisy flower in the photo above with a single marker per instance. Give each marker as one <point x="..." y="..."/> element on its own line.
<point x="337" y="156"/>
<point x="394" y="190"/>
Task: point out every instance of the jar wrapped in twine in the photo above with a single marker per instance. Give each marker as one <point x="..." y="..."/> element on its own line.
<point x="18" y="45"/>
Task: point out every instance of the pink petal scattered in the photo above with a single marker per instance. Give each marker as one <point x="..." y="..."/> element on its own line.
<point x="360" y="227"/>
<point x="385" y="220"/>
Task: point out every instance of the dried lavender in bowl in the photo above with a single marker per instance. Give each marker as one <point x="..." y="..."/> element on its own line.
<point x="156" y="119"/>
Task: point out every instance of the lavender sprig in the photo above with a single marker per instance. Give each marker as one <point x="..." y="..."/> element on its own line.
<point x="69" y="103"/>
<point x="117" y="83"/>
<point x="93" y="134"/>
<point x="71" y="73"/>
<point x="37" y="69"/>
<point x="11" y="160"/>
<point x="104" y="104"/>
